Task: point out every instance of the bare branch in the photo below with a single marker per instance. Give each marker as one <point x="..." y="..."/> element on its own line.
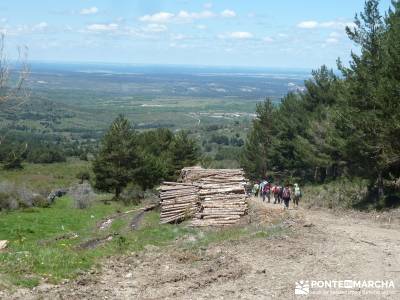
<point x="13" y="89"/>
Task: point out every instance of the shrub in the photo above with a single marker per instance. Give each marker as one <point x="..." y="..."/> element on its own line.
<point x="342" y="193"/>
<point x="132" y="194"/>
<point x="82" y="194"/>
<point x="14" y="197"/>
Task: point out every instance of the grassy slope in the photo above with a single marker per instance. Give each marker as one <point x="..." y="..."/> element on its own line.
<point x="38" y="252"/>
<point x="45" y="177"/>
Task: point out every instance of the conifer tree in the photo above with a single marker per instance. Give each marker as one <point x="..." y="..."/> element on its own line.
<point x="184" y="152"/>
<point x="118" y="159"/>
<point x="257" y="152"/>
<point x="364" y="111"/>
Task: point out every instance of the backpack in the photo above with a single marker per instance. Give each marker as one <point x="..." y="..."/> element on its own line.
<point x="267" y="188"/>
<point x="286" y="193"/>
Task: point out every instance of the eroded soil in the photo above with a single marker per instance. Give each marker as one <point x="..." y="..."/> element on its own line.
<point x="319" y="245"/>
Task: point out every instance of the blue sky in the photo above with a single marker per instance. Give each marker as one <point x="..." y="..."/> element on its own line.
<point x="262" y="33"/>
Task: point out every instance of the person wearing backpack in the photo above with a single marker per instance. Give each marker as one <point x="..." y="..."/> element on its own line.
<point x="262" y="186"/>
<point x="297" y="195"/>
<point x="255" y="189"/>
<point x="279" y="191"/>
<point x="267" y="192"/>
<point x="286" y="196"/>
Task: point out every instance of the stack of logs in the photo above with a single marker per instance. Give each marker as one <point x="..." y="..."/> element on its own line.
<point x="218" y="197"/>
<point x="178" y="201"/>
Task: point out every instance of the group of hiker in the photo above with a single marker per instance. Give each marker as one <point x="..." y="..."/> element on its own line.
<point x="280" y="194"/>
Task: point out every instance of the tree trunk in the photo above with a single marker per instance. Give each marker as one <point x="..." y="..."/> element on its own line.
<point x="316" y="172"/>
<point x="117" y="192"/>
<point x="381" y="192"/>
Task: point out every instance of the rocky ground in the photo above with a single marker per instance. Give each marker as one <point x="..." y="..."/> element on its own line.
<point x="319" y="245"/>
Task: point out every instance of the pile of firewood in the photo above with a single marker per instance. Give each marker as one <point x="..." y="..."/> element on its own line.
<point x="222" y="195"/>
<point x="215" y="197"/>
<point x="200" y="175"/>
<point x="179" y="201"/>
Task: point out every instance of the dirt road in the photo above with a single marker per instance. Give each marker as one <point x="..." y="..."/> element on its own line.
<point x="320" y="246"/>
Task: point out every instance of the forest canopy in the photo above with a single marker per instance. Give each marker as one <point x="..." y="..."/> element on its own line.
<point x="345" y="124"/>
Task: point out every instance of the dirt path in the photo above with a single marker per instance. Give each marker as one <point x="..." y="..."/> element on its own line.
<point x="321" y="246"/>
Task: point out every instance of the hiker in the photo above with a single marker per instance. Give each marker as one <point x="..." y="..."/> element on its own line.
<point x="255" y="189"/>
<point x="297" y="195"/>
<point x="280" y="190"/>
<point x="262" y="185"/>
<point x="286" y="196"/>
<point x="275" y="191"/>
<point x="267" y="192"/>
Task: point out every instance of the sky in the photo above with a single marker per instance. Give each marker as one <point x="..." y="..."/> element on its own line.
<point x="254" y="33"/>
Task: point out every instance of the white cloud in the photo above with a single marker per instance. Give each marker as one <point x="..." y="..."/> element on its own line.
<point x="155" y="28"/>
<point x="227" y="13"/>
<point x="328" y="24"/>
<point x="334" y="34"/>
<point x="239" y="35"/>
<point x="268" y="39"/>
<point x="201" y="27"/>
<point x="89" y="11"/>
<point x="331" y="41"/>
<point x="190" y="16"/>
<point x="308" y="24"/>
<point x="178" y="37"/>
<point x="182" y="16"/>
<point x="102" y="27"/>
<point x="175" y="45"/>
<point x="208" y="5"/>
<point x="40" y="26"/>
<point x="160" y="17"/>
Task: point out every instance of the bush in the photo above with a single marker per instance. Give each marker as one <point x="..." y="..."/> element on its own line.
<point x="82" y="194"/>
<point x="132" y="194"/>
<point x="46" y="155"/>
<point x="8" y="201"/>
<point x="338" y="194"/>
<point x="14" y="197"/>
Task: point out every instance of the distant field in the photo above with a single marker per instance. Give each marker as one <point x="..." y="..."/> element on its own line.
<point x="77" y="103"/>
<point x="76" y="100"/>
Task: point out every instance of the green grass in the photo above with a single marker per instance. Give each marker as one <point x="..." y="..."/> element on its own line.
<point x="39" y="249"/>
<point x="45" y="177"/>
<point x="35" y="253"/>
<point x="340" y="194"/>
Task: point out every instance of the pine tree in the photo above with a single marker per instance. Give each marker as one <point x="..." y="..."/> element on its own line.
<point x="184" y="152"/>
<point x="151" y="172"/>
<point x="291" y="122"/>
<point x="389" y="89"/>
<point x="118" y="160"/>
<point x="364" y="111"/>
<point x="256" y="155"/>
<point x="320" y="148"/>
